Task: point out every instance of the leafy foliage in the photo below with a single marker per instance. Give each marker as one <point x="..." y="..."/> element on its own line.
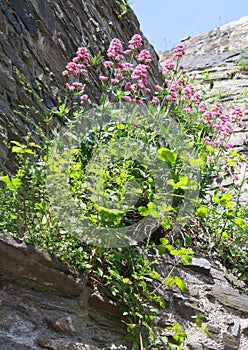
<point x="26" y="208"/>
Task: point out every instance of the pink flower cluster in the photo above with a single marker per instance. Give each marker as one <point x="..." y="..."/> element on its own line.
<point x="222" y="124"/>
<point x="74" y="86"/>
<point x="179" y="50"/>
<point x="73" y="68"/>
<point x="169" y="65"/>
<point x="144" y="56"/>
<point x="78" y="63"/>
<point x="115" y="50"/>
<point x="174" y="89"/>
<point x="135" y="43"/>
<point x="126" y="76"/>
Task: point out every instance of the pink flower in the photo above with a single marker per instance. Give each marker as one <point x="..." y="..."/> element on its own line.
<point x="202" y="107"/>
<point x="125" y="67"/>
<point x="78" y="85"/>
<point x="216" y="143"/>
<point x="225" y="117"/>
<point x="222" y="189"/>
<point x="159" y="88"/>
<point x="82" y="54"/>
<point x="65" y="73"/>
<point x="108" y="64"/>
<point x="81" y="66"/>
<point x="128" y="52"/>
<point x="188" y="109"/>
<point x="169" y="65"/>
<point x="115" y="49"/>
<point x="103" y="78"/>
<point x="140" y="73"/>
<point x="137" y="101"/>
<point x="144" y="56"/>
<point x="174" y="86"/>
<point x="235" y="176"/>
<point x="155" y="100"/>
<point x="179" y="50"/>
<point x="196" y="97"/>
<point x="237" y="114"/>
<point x="70" y="87"/>
<point x="136" y="42"/>
<point x="229" y="145"/>
<point x="127" y="98"/>
<point x="115" y="81"/>
<point x="130" y="87"/>
<point x="218" y="107"/>
<point x="72" y="68"/>
<point x="141" y="86"/>
<point x="84" y="98"/>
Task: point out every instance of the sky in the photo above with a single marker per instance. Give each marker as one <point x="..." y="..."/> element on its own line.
<point x="166" y="22"/>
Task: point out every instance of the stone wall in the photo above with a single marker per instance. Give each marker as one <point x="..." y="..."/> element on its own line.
<point x="46" y="304"/>
<point x="39" y="38"/>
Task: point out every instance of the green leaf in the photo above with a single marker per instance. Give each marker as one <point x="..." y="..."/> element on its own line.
<point x="231" y="162"/>
<point x="239" y="222"/>
<point x="13" y="184"/>
<point x="180" y="284"/>
<point x="167" y="155"/>
<point x="169" y="281"/>
<point x="226" y="197"/>
<point x="164" y="241"/>
<point x="203" y="211"/>
<point x="210" y="149"/>
<point x="120" y="126"/>
<point x="182" y="183"/>
<point x="198" y="162"/>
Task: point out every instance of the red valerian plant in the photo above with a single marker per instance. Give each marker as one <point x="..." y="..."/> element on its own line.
<point x="126" y="78"/>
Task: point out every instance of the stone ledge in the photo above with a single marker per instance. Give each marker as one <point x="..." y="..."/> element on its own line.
<point x="35" y="268"/>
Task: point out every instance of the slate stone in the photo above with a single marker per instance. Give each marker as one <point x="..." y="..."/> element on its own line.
<point x="9" y="15"/>
<point x="35" y="268"/>
<point x="231" y="297"/>
<point x="200" y="265"/>
<point x="24" y="11"/>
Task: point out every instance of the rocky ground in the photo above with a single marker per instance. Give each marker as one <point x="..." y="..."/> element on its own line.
<point x="45" y="304"/>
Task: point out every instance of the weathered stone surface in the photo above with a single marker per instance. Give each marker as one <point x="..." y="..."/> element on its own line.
<point x="70" y="315"/>
<point x="200" y="265"/>
<point x="223" y="308"/>
<point x="39" y="38"/>
<point x="45" y="303"/>
<point x="64" y="325"/>
<point x="231" y="298"/>
<point x="35" y="268"/>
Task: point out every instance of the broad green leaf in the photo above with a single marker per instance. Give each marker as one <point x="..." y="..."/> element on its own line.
<point x="180" y="284"/>
<point x="203" y="211"/>
<point x="226" y="197"/>
<point x="167" y="155"/>
<point x="239" y="222"/>
<point x="169" y="281"/>
<point x="164" y="242"/>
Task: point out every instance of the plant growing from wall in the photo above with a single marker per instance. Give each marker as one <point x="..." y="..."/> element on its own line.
<point x="150" y="155"/>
